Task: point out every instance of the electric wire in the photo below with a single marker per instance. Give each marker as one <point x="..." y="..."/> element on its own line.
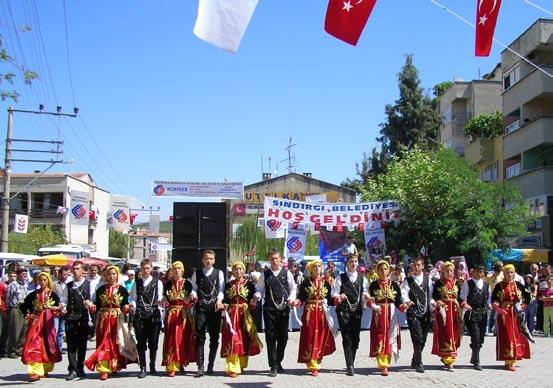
<point x="67" y="52"/>
<point x="538" y="7"/>
<point x="494" y="39"/>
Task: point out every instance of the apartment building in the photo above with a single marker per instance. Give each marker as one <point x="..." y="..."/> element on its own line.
<point x="150" y="245"/>
<point x="460" y="103"/>
<point x="528" y="114"/>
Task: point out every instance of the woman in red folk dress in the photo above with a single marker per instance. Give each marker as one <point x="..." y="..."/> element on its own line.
<point x="316" y="337"/>
<point x="508" y="296"/>
<point x="447" y="337"/>
<point x="113" y="343"/>
<point x="41" y="351"/>
<point x="179" y="342"/>
<point x="385" y="299"/>
<point x="240" y="339"/>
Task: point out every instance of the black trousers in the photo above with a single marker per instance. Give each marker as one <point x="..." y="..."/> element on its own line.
<point x="76" y="336"/>
<point x="350" y="328"/>
<point x="147" y="332"/>
<point x="475" y="321"/>
<point x="276" y="334"/>
<point x="418" y="328"/>
<point x="539" y="317"/>
<point x="210" y="321"/>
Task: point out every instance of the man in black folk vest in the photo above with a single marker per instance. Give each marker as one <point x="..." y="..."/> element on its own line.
<point x="146" y="294"/>
<point x="276" y="285"/>
<point x="476" y="293"/>
<point x="208" y="285"/>
<point x="349" y="292"/>
<point x="77" y="320"/>
<point x="416" y="292"/>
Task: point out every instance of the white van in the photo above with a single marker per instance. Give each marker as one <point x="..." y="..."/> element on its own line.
<point x="74" y="251"/>
<point x="7" y="258"/>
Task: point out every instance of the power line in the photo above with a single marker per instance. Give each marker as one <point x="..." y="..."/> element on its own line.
<point x="538" y="7"/>
<point x="67" y="52"/>
<point x="494" y="39"/>
<point x="106" y="158"/>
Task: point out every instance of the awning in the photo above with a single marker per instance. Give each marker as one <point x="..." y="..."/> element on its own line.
<point x="62" y="260"/>
<point x="522" y="255"/>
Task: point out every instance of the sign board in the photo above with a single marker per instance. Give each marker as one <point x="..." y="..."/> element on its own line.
<point x="223" y="190"/>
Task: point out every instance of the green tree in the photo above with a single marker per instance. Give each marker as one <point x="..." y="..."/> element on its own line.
<point x="7" y="73"/>
<point x="38" y="236"/>
<point x="440" y="89"/>
<point x="118" y="244"/>
<point x="485" y="126"/>
<point x="445" y="206"/>
<point x="249" y="234"/>
<point x="411" y="121"/>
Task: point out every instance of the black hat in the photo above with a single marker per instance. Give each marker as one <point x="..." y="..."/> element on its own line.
<point x="478" y="267"/>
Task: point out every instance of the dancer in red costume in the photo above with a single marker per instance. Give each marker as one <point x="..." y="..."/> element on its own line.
<point x="316" y="338"/>
<point x="385" y="299"/>
<point x="446" y="295"/>
<point x="113" y="344"/>
<point x="41" y="351"/>
<point x="179" y="342"/>
<point x="239" y="340"/>
<point x="508" y="296"/>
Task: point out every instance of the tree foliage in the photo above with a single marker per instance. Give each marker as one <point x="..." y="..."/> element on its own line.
<point x="38" y="236"/>
<point x="446" y="207"/>
<point x="440" y="89"/>
<point x="485" y="126"/>
<point x="118" y="244"/>
<point x="7" y="74"/>
<point x="411" y="121"/>
<point x="249" y="234"/>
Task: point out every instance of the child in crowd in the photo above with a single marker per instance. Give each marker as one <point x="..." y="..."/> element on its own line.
<point x="548" y="309"/>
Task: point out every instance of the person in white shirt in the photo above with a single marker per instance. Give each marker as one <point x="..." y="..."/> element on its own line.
<point x="60" y="287"/>
<point x="416" y="292"/>
<point x="146" y="295"/>
<point x="350" y="292"/>
<point x="476" y="293"/>
<point x="277" y="287"/>
<point x="208" y="285"/>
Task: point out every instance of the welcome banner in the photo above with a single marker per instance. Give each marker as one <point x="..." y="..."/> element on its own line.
<point x="283" y="210"/>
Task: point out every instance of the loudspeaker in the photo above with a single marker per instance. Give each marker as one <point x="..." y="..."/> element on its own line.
<point x="191" y="258"/>
<point x="200" y="225"/>
<point x="213" y="225"/>
<point x="186" y="225"/>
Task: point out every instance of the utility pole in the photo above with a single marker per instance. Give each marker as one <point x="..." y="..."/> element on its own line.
<point x="8" y="159"/>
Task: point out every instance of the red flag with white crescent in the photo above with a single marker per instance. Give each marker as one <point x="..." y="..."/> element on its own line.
<point x="486" y="18"/>
<point x="345" y="19"/>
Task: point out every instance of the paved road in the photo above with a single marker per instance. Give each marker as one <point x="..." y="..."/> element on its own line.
<point x="537" y="372"/>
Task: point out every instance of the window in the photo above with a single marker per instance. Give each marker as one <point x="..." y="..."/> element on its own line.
<point x="512" y="171"/>
<point x="511" y="77"/>
<point x="489" y="173"/>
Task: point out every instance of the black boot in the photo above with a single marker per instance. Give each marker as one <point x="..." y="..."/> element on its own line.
<point x="349" y="360"/>
<point x="475" y="359"/>
<point x="200" y="357"/>
<point x="153" y="354"/>
<point x="417" y="358"/>
<point x="142" y="363"/>
<point x="211" y="361"/>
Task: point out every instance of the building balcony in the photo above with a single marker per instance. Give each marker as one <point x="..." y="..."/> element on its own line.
<point x="480" y="150"/>
<point x="534" y="182"/>
<point x="533" y="85"/>
<point x="528" y="136"/>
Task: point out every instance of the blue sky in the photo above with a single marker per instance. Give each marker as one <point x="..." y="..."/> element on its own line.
<point x="159" y="103"/>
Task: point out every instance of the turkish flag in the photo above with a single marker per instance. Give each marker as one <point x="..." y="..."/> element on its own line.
<point x="345" y="20"/>
<point x="486" y="18"/>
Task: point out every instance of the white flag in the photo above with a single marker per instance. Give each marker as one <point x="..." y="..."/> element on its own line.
<point x="274" y="228"/>
<point x="223" y="22"/>
<point x="21" y="223"/>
